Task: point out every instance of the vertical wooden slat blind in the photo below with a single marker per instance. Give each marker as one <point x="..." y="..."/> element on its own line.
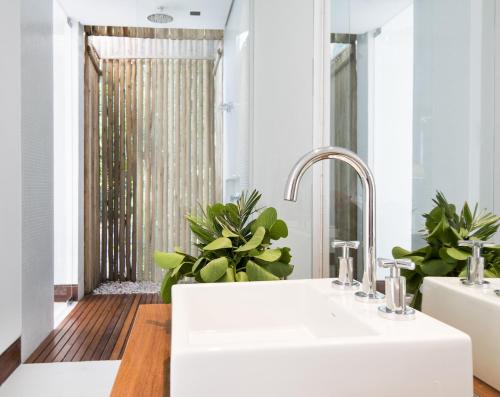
<point x="91" y="175"/>
<point x="344" y="134"/>
<point x="154" y="157"/>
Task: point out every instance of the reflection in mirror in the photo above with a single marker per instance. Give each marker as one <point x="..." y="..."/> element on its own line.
<point x="411" y="92"/>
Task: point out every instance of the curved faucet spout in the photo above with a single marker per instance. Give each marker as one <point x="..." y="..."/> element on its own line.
<point x="369" y="257"/>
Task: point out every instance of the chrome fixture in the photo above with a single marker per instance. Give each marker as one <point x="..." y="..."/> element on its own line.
<point x="369" y="292"/>
<point x="395" y="290"/>
<point x="475" y="263"/>
<point x="227" y="107"/>
<point x="160" y="16"/>
<point x="345" y="279"/>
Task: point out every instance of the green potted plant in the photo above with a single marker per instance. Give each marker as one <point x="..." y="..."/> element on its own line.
<point x="233" y="247"/>
<point x="442" y="256"/>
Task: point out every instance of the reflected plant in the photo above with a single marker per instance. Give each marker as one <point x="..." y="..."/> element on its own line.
<point x="442" y="256"/>
<point x="232" y="246"/>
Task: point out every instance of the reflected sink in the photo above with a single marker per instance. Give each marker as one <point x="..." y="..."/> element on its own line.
<point x="302" y="338"/>
<point x="475" y="311"/>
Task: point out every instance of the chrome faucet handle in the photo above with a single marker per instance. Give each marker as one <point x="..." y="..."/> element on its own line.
<point x="346" y="265"/>
<point x="396" y="265"/>
<point x="346" y="246"/>
<point x="476" y="244"/>
<point x="475" y="263"/>
<point x="395" y="290"/>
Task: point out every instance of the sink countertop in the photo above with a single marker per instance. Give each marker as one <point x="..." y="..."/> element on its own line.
<point x="475" y="311"/>
<point x="316" y="335"/>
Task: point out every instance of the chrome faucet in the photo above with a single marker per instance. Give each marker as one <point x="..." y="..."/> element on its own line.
<point x="475" y="263"/>
<point x="395" y="307"/>
<point x="369" y="292"/>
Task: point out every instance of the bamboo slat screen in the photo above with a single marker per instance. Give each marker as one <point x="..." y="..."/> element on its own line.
<point x="344" y="134"/>
<point x="177" y="155"/>
<point x="92" y="274"/>
<point x="158" y="158"/>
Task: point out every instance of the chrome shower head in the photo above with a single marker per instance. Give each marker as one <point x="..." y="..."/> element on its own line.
<point x="160" y="16"/>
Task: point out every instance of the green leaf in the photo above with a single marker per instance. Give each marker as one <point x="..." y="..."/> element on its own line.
<point x="168" y="260"/>
<point x="241" y="277"/>
<point x="166" y="287"/>
<point x="198" y="262"/>
<point x="278" y="230"/>
<point x="285" y="255"/>
<point x="182" y="269"/>
<point x="199" y="231"/>
<point x="413" y="280"/>
<point x="457" y="254"/>
<point x="269" y="255"/>
<point x="437" y="267"/>
<point x="228" y="277"/>
<point x="228" y="233"/>
<point x="254" y="242"/>
<point x="214" y="211"/>
<point x="279" y="269"/>
<point x="266" y="218"/>
<point x="467" y="215"/>
<point x="220" y="243"/>
<point x="398" y="252"/>
<point x="214" y="270"/>
<point x="258" y="273"/>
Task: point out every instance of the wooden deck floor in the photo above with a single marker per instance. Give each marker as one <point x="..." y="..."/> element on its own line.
<point x="96" y="329"/>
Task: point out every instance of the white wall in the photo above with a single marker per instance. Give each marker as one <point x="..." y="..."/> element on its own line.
<point x="68" y="170"/>
<point x="10" y="175"/>
<point x="453" y="120"/>
<point x="37" y="169"/>
<point x="64" y="271"/>
<point x="68" y="88"/>
<point x="283" y="114"/>
<point x="496" y="172"/>
<point x="391" y="153"/>
<point x="236" y="96"/>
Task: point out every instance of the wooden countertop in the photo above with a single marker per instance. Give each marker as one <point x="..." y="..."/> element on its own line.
<point x="145" y="367"/>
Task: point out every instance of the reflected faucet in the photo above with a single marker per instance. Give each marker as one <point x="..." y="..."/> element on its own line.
<point x="369" y="291"/>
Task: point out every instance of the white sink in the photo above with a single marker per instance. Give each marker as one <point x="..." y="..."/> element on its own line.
<point x="302" y="338"/>
<point x="475" y="311"/>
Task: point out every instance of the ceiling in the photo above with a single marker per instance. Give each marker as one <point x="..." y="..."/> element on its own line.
<point x="134" y="12"/>
<point x="361" y="16"/>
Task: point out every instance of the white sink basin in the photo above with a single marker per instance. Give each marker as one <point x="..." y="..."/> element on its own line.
<point x="476" y="311"/>
<point x="302" y="338"/>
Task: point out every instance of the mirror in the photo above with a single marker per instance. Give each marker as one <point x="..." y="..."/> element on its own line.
<point x="412" y="91"/>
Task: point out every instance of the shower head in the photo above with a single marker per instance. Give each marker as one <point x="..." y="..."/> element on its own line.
<point x="160" y="16"/>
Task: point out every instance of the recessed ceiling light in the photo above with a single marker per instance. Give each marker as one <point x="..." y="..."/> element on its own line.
<point x="195" y="13"/>
<point x="160" y="16"/>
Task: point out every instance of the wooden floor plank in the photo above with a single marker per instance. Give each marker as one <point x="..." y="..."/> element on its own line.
<point x="78" y="338"/>
<point x="86" y="351"/>
<point x="96" y="329"/>
<point x="105" y="337"/>
<point x="56" y="345"/>
<point x="117" y="349"/>
<point x="60" y="331"/>
<point x="108" y="344"/>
